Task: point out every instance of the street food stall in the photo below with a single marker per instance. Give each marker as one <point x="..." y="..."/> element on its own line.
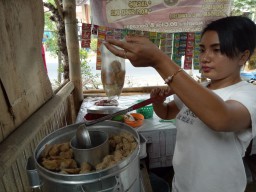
<point x="38" y="124"/>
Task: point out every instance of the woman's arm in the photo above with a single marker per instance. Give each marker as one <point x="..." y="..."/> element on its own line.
<point x="163" y="109"/>
<point x="209" y="107"/>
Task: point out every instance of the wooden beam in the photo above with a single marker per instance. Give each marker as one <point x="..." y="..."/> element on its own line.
<point x="69" y="7"/>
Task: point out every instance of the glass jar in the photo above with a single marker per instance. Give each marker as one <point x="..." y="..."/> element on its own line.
<point x="112" y="73"/>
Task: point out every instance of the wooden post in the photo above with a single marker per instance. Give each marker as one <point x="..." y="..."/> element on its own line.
<point x="69" y="7"/>
<point x="59" y="66"/>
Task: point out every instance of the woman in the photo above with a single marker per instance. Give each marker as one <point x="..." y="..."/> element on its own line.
<point x="215" y="121"/>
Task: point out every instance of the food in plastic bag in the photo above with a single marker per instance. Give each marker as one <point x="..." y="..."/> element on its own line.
<point x="112" y="73"/>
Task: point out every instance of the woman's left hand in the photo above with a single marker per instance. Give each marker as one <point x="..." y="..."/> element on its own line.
<point x="160" y="94"/>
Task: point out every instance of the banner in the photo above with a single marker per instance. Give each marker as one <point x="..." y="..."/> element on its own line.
<point x="159" y="15"/>
<point x="182" y="48"/>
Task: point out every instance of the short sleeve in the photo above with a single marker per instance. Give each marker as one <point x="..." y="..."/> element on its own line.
<point x="177" y="101"/>
<point x="246" y="95"/>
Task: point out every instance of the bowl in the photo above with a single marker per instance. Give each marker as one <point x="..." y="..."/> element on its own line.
<point x="139" y="119"/>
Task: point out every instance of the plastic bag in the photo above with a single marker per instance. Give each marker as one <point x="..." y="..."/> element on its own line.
<point x="112" y="73"/>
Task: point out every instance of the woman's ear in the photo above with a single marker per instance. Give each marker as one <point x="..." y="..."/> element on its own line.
<point x="245" y="57"/>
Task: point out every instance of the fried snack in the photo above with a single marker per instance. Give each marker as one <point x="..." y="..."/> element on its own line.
<point x="117" y="138"/>
<point x="128" y="136"/>
<point x="55" y="157"/>
<point x="54" y="151"/>
<point x="124" y="140"/>
<point x="112" y="77"/>
<point x="118" y="156"/>
<point x="112" y="144"/>
<point x="126" y="153"/>
<point x="108" y="158"/>
<point x="67" y="154"/>
<point x="59" y="157"/>
<point x="111" y="163"/>
<point x="68" y="163"/>
<point x="119" y="146"/>
<point x="114" y="141"/>
<point x="134" y="145"/>
<point x="127" y="146"/>
<point x="101" y="166"/>
<point x="59" y="164"/>
<point x="46" y="150"/>
<point x="85" y="167"/>
<point x="52" y="165"/>
<point x="64" y="147"/>
<point x="104" y="165"/>
<point x="63" y="155"/>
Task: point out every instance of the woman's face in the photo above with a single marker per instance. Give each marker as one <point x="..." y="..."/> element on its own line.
<point x="215" y="65"/>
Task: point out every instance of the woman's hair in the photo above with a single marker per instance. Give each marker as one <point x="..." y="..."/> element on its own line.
<point x="236" y="34"/>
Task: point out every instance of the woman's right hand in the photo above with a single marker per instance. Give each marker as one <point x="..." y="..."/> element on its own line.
<point x="139" y="50"/>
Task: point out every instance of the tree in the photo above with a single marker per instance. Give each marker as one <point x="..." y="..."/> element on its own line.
<point x="94" y="44"/>
<point x="89" y="80"/>
<point x="51" y="41"/>
<point x="58" y="43"/>
<point x="244" y="7"/>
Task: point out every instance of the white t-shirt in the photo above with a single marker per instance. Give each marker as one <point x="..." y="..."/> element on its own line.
<point x="209" y="161"/>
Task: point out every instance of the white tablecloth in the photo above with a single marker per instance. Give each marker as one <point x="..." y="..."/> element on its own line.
<point x="160" y="134"/>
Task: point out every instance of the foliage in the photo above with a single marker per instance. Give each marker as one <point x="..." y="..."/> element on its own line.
<point x="50" y="26"/>
<point x="241" y="7"/>
<point x="93" y="45"/>
<point x="89" y="80"/>
<point x="51" y="45"/>
<point x="252" y="64"/>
